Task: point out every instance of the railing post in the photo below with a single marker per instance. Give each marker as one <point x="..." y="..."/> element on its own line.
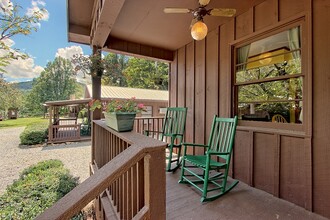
<point x="93" y="142"/>
<point x="155" y="184"/>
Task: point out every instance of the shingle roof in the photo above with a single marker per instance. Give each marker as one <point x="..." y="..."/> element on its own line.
<point x="126" y="93"/>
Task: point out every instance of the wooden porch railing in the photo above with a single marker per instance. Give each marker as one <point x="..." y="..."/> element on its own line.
<point x="149" y="123"/>
<point x="64" y="130"/>
<point x="128" y="180"/>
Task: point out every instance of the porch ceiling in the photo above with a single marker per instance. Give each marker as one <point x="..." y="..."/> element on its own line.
<point x="143" y="22"/>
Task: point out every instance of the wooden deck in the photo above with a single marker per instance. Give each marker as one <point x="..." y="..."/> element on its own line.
<point x="243" y="202"/>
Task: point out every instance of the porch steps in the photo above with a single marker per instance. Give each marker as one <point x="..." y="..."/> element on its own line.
<point x="108" y="210"/>
<point x="104" y="201"/>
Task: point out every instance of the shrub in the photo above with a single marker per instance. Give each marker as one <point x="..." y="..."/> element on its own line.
<point x="37" y="188"/>
<point x="34" y="133"/>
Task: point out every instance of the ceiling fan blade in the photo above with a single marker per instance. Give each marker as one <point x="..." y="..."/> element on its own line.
<point x="226" y="12"/>
<point x="177" y="10"/>
<point x="203" y="2"/>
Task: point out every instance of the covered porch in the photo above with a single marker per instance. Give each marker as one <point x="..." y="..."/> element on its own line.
<point x="131" y="183"/>
<point x="287" y="160"/>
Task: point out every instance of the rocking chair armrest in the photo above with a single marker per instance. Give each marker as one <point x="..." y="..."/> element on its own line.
<point x="146" y="132"/>
<point x="173" y="135"/>
<point x="195" y="145"/>
<point x="218" y="153"/>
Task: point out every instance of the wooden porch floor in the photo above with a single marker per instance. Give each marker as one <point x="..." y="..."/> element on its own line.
<point x="243" y="202"/>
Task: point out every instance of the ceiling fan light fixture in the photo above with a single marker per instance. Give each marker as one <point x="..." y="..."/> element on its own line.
<point x="199" y="30"/>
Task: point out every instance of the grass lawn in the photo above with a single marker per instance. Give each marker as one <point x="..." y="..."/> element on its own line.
<point x="20" y="122"/>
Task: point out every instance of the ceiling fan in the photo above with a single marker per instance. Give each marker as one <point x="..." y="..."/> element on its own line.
<point x="198" y="27"/>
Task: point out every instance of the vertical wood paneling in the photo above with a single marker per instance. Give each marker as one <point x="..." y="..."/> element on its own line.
<point x="181" y="77"/>
<point x="264" y="161"/>
<point x="294" y="164"/>
<point x="199" y="94"/>
<point x="244" y="24"/>
<point x="190" y="91"/>
<point x="321" y="106"/>
<point x="226" y="36"/>
<point x="290" y="8"/>
<point x="265" y="14"/>
<point x="212" y="80"/>
<point x="173" y="76"/>
<point x="277" y="164"/>
<point x="242" y="156"/>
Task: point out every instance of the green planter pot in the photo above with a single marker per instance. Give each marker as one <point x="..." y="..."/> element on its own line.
<point x="120" y="121"/>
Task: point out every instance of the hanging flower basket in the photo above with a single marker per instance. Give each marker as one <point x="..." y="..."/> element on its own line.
<point x="120" y="121"/>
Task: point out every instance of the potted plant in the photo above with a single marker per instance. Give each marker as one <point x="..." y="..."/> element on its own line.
<point x="120" y="114"/>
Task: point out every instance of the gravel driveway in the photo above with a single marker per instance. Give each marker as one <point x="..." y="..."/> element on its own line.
<point x="15" y="158"/>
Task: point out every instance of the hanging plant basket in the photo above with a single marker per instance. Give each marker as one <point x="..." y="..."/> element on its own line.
<point x="120" y="121"/>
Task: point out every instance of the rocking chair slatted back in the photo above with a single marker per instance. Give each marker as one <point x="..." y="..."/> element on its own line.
<point x="221" y="137"/>
<point x="174" y="122"/>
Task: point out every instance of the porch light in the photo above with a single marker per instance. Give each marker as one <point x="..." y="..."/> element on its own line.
<point x="199" y="30"/>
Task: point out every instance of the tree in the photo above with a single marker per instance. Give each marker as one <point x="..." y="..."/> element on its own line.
<point x="114" y="65"/>
<point x="141" y="73"/>
<point x="120" y="70"/>
<point x="13" y="22"/>
<point x="10" y="97"/>
<point x="56" y="82"/>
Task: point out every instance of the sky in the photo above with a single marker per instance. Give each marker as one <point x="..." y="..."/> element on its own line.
<point x="44" y="45"/>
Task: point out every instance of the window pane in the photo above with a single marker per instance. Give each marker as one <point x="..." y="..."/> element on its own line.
<point x="265" y="111"/>
<point x="273" y="56"/>
<point x="263" y="100"/>
<point x="289" y="89"/>
<point x="289" y="66"/>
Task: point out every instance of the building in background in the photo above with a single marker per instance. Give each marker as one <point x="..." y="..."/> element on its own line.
<point x="156" y="101"/>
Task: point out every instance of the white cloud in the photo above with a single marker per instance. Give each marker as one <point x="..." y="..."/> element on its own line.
<point x="6" y="6"/>
<point x="19" y="68"/>
<point x="8" y="42"/>
<point x="38" y="2"/>
<point x="23" y="69"/>
<point x="68" y="52"/>
<point x="35" y="7"/>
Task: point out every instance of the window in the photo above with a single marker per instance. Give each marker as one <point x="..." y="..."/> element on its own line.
<point x="162" y="110"/>
<point x="268" y="80"/>
<point x="148" y="112"/>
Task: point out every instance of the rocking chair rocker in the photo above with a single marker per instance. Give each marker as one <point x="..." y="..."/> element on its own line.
<point x="172" y="133"/>
<point x="219" y="146"/>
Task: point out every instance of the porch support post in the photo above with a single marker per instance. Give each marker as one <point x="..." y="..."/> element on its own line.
<point x="155" y="184"/>
<point x="50" y="126"/>
<point x="96" y="82"/>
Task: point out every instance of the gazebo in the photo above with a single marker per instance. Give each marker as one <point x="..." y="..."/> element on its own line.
<point x="67" y="127"/>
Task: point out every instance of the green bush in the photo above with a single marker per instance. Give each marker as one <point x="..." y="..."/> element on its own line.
<point x="34" y="133"/>
<point x="37" y="188"/>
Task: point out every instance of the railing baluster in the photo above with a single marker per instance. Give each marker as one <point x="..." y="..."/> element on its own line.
<point x="140" y="177"/>
<point x="134" y="190"/>
<point x="125" y="196"/>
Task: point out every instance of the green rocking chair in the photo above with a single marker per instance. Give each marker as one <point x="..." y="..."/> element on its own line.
<point x="214" y="164"/>
<point x="172" y="133"/>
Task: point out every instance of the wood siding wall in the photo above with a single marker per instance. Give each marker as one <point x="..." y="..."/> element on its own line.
<point x="280" y="162"/>
<point x="321" y="107"/>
